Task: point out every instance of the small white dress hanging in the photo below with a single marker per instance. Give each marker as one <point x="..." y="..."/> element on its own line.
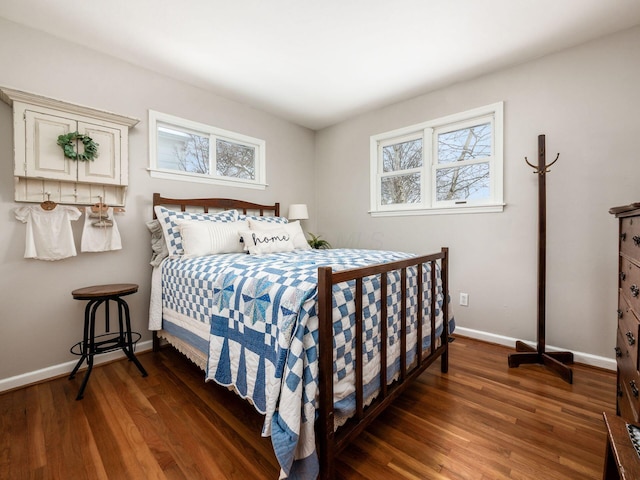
<point x="100" y="232"/>
<point x="49" y="235"/>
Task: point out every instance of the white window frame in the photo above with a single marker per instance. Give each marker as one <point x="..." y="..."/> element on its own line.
<point x="157" y="119"/>
<point x="429" y="131"/>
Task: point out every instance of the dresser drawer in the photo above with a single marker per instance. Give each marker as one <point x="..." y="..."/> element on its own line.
<point x="628" y="333"/>
<point x="630" y="236"/>
<point x="628" y="405"/>
<point x="628" y="393"/>
<point x="630" y="282"/>
<point x="627" y="351"/>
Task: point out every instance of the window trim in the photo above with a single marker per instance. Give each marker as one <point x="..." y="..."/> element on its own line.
<point x="156" y="118"/>
<point x="428" y="130"/>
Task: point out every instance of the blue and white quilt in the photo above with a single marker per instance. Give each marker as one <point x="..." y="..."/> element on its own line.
<point x="264" y="334"/>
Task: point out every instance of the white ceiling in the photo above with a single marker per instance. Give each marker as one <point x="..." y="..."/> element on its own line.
<point x="317" y="63"/>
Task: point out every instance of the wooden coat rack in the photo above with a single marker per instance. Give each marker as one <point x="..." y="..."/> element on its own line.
<point x="526" y="354"/>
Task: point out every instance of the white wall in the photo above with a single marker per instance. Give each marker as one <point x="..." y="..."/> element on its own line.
<point x="585" y="100"/>
<point x="39" y="320"/>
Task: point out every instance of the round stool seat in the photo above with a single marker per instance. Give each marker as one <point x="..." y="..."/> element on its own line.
<point x="111" y="290"/>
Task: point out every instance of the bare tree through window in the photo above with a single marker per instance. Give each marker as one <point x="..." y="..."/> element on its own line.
<point x="193" y="155"/>
<point x="185" y="150"/>
<point x="190" y="153"/>
<point x="234" y="160"/>
<point x="461" y="174"/>
<point x="404" y="186"/>
<point x="452" y="164"/>
<point x="470" y="180"/>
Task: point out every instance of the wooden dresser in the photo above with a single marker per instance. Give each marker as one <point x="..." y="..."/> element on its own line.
<point x="628" y="334"/>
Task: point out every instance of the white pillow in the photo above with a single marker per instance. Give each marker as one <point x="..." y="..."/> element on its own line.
<point x="269" y="241"/>
<point x="207" y="238"/>
<point x="292" y="228"/>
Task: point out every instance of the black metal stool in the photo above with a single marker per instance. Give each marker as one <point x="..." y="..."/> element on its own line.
<point x="92" y="345"/>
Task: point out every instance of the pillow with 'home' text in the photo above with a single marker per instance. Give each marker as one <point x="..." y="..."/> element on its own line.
<point x="268" y="241"/>
<point x="292" y="228"/>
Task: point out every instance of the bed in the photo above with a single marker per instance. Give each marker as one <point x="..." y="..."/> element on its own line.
<point x="258" y="321"/>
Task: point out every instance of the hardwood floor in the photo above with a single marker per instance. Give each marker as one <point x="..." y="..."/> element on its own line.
<point x="481" y="421"/>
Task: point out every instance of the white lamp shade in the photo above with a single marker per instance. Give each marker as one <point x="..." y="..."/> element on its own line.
<point x="298" y="211"/>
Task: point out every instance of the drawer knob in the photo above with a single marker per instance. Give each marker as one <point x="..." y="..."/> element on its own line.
<point x="623" y="276"/>
<point x="630" y="338"/>
<point x="635" y="291"/>
<point x="618" y="352"/>
<point x="634" y="388"/>
<point x="636" y="240"/>
<point x="623" y="236"/>
<point x="620" y="314"/>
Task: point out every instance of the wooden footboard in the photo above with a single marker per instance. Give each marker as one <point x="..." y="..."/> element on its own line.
<point x="331" y="442"/>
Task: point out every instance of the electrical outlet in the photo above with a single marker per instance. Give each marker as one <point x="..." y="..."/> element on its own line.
<point x="464" y="299"/>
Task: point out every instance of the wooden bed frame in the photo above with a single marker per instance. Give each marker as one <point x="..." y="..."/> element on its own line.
<point x="331" y="441"/>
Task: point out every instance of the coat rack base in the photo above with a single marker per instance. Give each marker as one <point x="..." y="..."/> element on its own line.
<point x="554" y="361"/>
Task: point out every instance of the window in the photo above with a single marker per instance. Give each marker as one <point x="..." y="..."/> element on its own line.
<point x="448" y="165"/>
<point x="184" y="150"/>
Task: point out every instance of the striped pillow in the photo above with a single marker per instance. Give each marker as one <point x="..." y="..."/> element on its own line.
<point x="208" y="238"/>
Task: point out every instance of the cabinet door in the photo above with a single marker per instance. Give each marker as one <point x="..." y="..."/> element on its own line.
<point x="44" y="158"/>
<point x="106" y="168"/>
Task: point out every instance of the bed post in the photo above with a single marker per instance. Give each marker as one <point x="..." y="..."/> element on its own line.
<point x="325" y="426"/>
<point x="155" y="341"/>
<point x="444" y="267"/>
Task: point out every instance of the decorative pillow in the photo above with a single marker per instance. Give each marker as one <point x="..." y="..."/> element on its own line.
<point x="170" y="224"/>
<point x="269" y="241"/>
<point x="255" y="218"/>
<point x="292" y="228"/>
<point x="207" y="238"/>
<point x="158" y="245"/>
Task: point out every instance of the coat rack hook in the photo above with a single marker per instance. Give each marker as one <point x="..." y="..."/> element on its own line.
<point x="535" y="169"/>
<point x="546" y="167"/>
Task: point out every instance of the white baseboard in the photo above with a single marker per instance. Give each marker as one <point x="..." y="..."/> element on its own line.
<point x="64" y="368"/>
<point x="579" y="357"/>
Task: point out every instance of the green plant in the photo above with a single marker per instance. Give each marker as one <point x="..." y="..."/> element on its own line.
<point x="318" y="243"/>
<point x="68" y="144"/>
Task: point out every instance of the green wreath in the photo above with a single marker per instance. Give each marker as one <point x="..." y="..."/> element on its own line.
<point x="68" y="144"/>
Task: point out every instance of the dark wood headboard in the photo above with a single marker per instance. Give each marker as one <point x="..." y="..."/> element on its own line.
<point x="216" y="204"/>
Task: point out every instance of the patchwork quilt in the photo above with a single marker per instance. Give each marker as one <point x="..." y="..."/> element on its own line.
<point x="264" y="333"/>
